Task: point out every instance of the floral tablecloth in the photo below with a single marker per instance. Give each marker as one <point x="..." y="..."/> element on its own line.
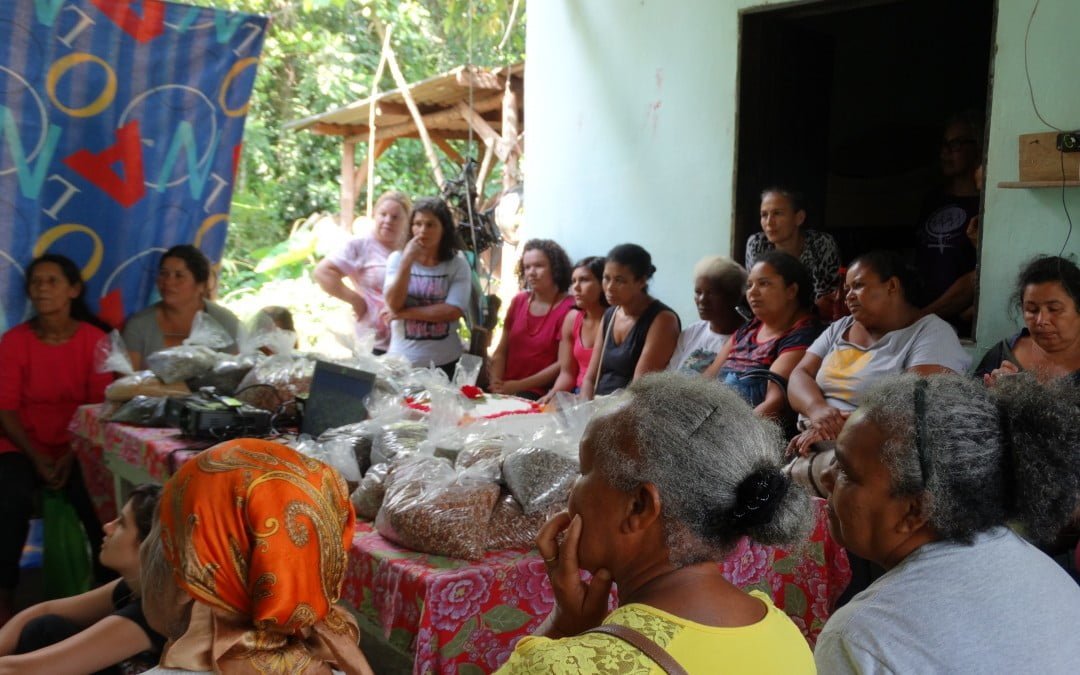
<point x="460" y="617"/>
<point x="159" y="452"/>
<point x="463" y="618"/>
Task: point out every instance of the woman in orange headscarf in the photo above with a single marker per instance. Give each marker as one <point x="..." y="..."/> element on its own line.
<point x="255" y="537"/>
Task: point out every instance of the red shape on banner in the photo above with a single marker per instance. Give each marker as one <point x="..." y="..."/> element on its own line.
<point x="143" y="28"/>
<point x="236" y="158"/>
<point x="98" y="167"/>
<point x="112" y="309"/>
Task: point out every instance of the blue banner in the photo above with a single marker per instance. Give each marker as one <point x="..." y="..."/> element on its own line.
<point x="120" y="132"/>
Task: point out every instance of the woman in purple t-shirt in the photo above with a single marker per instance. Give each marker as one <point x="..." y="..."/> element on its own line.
<point x="363" y="261"/>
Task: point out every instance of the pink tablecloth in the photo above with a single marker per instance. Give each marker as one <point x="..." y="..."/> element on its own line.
<point x="157" y="451"/>
<point x="460" y="617"/>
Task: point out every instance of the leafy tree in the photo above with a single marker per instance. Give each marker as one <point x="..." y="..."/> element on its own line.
<point x="322" y="54"/>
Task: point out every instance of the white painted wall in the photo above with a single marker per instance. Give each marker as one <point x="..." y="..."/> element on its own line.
<point x="631" y="110"/>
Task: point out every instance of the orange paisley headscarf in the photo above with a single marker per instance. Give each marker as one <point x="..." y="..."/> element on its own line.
<point x="259" y="535"/>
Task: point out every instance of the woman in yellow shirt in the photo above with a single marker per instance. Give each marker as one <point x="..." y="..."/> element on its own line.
<point x="670" y="481"/>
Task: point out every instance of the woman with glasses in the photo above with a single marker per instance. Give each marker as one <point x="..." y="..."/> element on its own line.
<point x="930" y="477"/>
<point x="182" y="279"/>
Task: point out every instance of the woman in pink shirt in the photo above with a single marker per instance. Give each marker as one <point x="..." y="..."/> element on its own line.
<point x="526" y="361"/>
<point x="363" y="261"/>
<point x="581" y="325"/>
<point x="47" y="370"/>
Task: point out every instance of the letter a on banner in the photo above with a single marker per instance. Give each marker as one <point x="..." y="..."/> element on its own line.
<point x="143" y="28"/>
<point x="98" y="168"/>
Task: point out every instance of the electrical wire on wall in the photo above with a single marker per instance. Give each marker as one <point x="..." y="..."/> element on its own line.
<point x="1038" y="113"/>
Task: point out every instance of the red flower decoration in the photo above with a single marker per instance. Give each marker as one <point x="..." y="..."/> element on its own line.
<point x="472" y="392"/>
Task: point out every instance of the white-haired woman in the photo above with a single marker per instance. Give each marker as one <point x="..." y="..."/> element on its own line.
<point x="929" y="473"/>
<point x="670" y="481"/>
<point x="719" y="284"/>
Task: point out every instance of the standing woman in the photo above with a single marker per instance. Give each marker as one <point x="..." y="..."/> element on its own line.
<point x="182" y="279"/>
<point x="581" y="326"/>
<point x="47" y="372"/>
<point x="782" y="217"/>
<point x="427" y="290"/>
<point x="526" y="361"/>
<point x="639" y="333"/>
<point x="363" y="261"/>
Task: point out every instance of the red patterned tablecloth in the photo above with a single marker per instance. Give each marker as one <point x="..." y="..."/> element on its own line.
<point x="159" y="452"/>
<point x="463" y="618"/>
<point x="460" y="617"/>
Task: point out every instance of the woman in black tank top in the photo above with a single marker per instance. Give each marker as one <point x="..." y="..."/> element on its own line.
<point x="638" y="333"/>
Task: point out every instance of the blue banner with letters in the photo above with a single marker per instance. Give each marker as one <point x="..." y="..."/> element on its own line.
<point x="120" y="132"/>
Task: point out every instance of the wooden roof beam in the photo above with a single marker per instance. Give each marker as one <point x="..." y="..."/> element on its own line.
<point x="432" y="120"/>
<point x="328" y="129"/>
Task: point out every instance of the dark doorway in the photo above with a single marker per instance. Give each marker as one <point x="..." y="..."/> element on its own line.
<point x="846" y="102"/>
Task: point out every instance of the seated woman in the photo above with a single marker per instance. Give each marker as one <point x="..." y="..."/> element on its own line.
<point x="758" y="360"/>
<point x="929" y="474"/>
<point x="182" y="279"/>
<point x="363" y="261"/>
<point x="670" y="481"/>
<point x="638" y="333"/>
<point x="96" y="631"/>
<point x="782" y="217"/>
<point x="47" y="370"/>
<point x="1048" y="295"/>
<point x="719" y="284"/>
<point x="252" y="506"/>
<point x="427" y="290"/>
<point x="526" y="361"/>
<point x="581" y="325"/>
<point x="882" y="336"/>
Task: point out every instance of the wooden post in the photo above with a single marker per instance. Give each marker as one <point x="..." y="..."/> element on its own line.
<point x="511" y="171"/>
<point x="403" y="85"/>
<point x="348" y="183"/>
<point x="370" y="176"/>
<point x="485" y="169"/>
<point x="448" y="149"/>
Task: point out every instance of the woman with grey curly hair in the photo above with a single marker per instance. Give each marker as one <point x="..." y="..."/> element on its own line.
<point x="929" y="475"/>
<point x="671" y="479"/>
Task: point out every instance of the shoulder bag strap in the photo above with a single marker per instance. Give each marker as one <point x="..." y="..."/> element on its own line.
<point x="643" y="644"/>
<point x="603" y="346"/>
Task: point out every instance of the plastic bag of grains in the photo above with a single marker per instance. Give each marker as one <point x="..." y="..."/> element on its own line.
<point x="397" y="438"/>
<point x="539" y="478"/>
<point x="368" y="495"/>
<point x="277" y="380"/>
<point x="511" y="528"/>
<point x="429" y="508"/>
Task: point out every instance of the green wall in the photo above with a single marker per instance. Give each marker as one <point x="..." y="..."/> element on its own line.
<point x="631" y="111"/>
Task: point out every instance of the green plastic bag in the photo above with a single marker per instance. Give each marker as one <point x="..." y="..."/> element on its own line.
<point x="66" y="561"/>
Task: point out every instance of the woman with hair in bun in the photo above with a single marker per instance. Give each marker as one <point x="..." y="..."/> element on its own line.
<point x="638" y="333"/>
<point x="363" y="261"/>
<point x="671" y="480"/>
<point x="929" y="475"/>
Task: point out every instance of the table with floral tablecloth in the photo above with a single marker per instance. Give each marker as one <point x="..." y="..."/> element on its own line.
<point x="464" y="618"/>
<point x="456" y="617"/>
<point x="150" y="452"/>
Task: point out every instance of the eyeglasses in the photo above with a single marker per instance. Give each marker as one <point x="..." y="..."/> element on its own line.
<point x="956" y="144"/>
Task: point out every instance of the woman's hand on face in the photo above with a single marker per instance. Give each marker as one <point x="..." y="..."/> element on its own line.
<point x="829" y="419"/>
<point x="1006" y="369"/>
<point x="579" y="606"/>
<point x="413" y="249"/>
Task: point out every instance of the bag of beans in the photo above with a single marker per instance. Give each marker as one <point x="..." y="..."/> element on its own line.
<point x="397" y="439"/>
<point x="429" y="508"/>
<point x="368" y="495"/>
<point x="511" y="528"/>
<point x="277" y="380"/>
<point x="539" y="478"/>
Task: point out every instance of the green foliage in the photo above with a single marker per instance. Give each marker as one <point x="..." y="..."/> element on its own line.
<point x="320" y="55"/>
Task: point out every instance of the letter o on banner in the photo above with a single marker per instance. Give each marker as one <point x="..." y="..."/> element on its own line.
<point x="207" y="225"/>
<point x="237" y="68"/>
<point x="62" y="66"/>
<point x="53" y="235"/>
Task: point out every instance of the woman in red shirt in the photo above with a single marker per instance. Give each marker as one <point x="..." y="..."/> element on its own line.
<point x="526" y="362"/>
<point x="46" y="372"/>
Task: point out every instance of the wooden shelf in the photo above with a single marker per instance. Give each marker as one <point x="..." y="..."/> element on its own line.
<point x="1018" y="184"/>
